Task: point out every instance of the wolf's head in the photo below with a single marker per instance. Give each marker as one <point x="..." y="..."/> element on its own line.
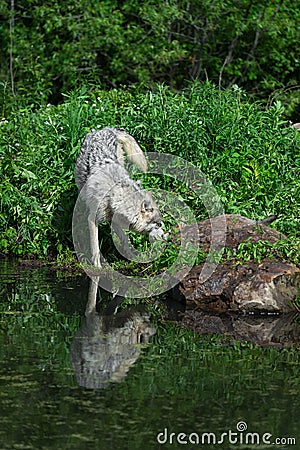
<point x="149" y="219"/>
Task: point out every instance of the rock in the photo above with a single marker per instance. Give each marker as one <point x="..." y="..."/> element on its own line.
<point x="268" y="286"/>
<point x="250" y="287"/>
<point x="239" y="229"/>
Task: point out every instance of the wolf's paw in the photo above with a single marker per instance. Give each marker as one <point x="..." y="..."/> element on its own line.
<point x="96" y="262"/>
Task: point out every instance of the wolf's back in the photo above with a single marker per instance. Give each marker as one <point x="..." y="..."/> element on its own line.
<point x="106" y="146"/>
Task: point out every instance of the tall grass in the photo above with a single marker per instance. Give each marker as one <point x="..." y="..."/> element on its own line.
<point x="250" y="154"/>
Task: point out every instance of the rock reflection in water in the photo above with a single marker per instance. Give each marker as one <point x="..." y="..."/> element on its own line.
<point x="108" y="343"/>
<point x="280" y="330"/>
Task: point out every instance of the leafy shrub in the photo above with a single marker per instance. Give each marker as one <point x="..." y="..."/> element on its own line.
<point x="51" y="47"/>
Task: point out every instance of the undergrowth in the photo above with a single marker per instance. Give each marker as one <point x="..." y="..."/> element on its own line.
<point x="249" y="153"/>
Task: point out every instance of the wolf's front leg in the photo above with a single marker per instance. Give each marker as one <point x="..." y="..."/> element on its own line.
<point x="94" y="243"/>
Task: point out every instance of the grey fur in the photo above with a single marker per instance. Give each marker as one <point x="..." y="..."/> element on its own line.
<point x="108" y="189"/>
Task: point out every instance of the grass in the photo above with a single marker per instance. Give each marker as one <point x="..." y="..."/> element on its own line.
<point x="249" y="153"/>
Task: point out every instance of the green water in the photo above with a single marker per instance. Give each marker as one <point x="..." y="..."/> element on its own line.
<point x="180" y="383"/>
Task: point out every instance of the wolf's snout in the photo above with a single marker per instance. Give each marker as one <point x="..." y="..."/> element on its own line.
<point x="157" y="233"/>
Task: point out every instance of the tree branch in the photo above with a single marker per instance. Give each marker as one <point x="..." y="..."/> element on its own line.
<point x="11" y="58"/>
<point x="259" y="32"/>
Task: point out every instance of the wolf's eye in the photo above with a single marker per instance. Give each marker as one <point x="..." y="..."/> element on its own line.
<point x="146" y="206"/>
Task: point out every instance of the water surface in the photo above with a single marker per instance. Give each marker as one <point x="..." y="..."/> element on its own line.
<point x="179" y="382"/>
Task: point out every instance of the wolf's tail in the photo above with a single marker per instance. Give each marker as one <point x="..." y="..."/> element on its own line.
<point x="127" y="144"/>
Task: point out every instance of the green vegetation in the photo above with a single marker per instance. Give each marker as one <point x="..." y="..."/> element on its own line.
<point x="212" y="82"/>
<point x="49" y="48"/>
<point x="249" y="153"/>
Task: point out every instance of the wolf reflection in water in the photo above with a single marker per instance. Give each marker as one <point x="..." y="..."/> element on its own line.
<point x="107" y="344"/>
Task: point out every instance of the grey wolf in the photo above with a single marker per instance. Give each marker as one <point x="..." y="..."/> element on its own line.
<point x="108" y="188"/>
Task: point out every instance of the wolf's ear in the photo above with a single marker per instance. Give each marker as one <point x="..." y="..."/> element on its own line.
<point x="146" y="206"/>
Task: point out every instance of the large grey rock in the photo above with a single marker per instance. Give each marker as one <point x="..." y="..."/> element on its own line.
<point x="250" y="287"/>
<point x="238" y="229"/>
<point x="270" y="285"/>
